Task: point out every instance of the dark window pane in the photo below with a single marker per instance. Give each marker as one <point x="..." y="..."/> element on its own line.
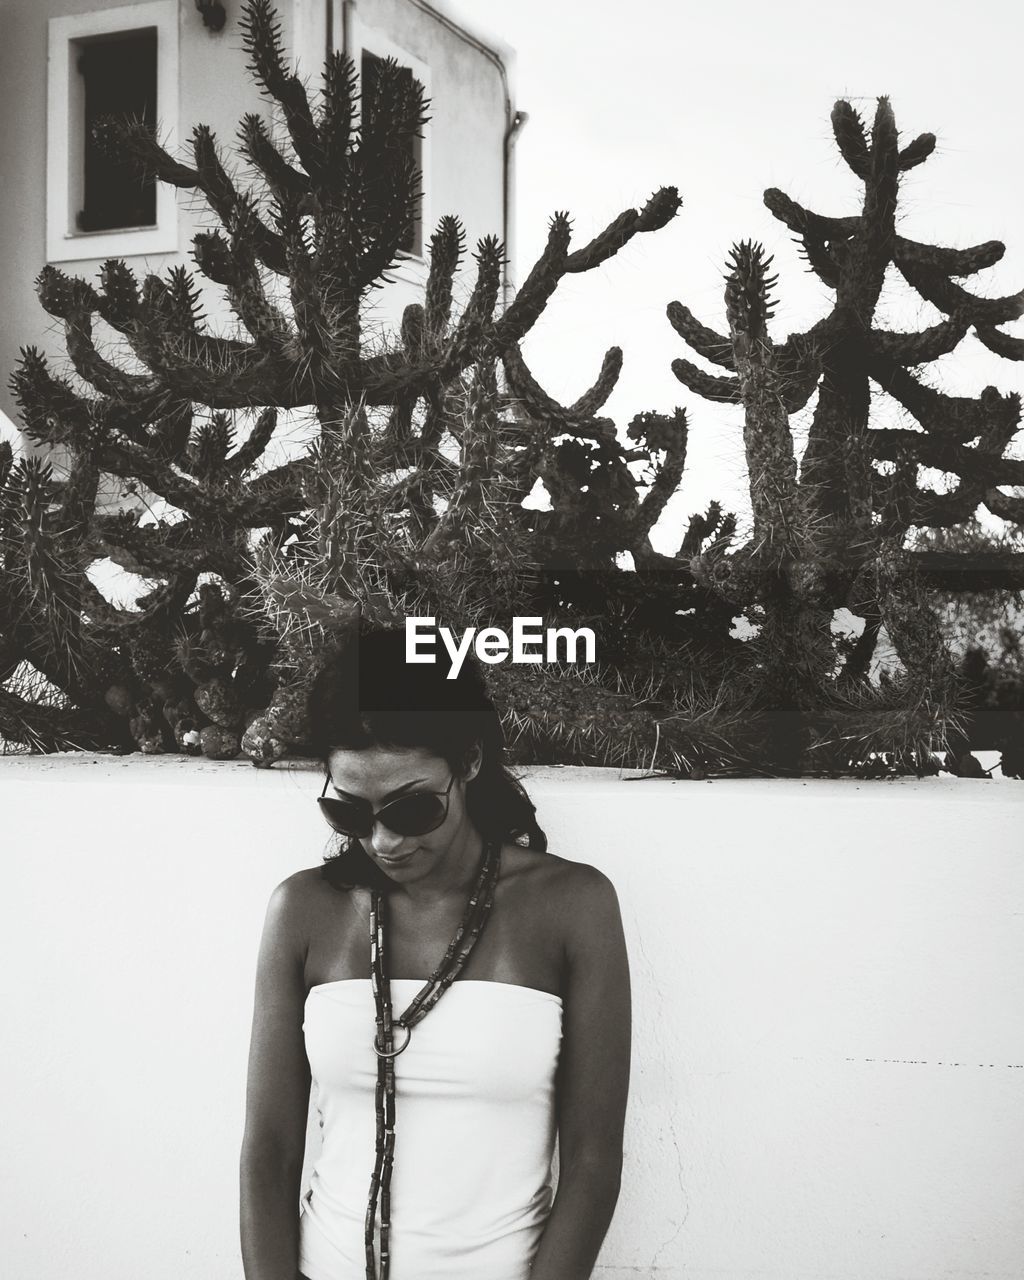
<point x="119" y="75"/>
<point x="370" y="70"/>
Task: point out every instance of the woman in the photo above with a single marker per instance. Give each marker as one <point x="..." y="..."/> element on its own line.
<point x="457" y="997"/>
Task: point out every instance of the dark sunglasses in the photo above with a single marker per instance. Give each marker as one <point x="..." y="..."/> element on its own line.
<point x="412" y="815"/>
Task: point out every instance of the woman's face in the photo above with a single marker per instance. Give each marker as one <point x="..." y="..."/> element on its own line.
<point x="381" y="774"/>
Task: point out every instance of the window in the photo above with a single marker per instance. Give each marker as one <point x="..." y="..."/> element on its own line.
<point x="117" y="62"/>
<point x="370" y="65"/>
<point x="369" y="48"/>
<point x="118" y="79"/>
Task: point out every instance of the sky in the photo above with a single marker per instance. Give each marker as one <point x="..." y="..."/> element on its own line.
<point x="723" y="101"/>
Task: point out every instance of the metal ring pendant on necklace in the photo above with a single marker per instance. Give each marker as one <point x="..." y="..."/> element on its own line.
<point x="384" y="1046"/>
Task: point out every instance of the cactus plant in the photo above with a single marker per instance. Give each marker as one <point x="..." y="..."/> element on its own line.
<point x="433" y="426"/>
<point x="828" y="530"/>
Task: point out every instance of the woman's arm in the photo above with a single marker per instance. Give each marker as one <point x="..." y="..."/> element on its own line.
<point x="277" y="1097"/>
<point x="593" y="1080"/>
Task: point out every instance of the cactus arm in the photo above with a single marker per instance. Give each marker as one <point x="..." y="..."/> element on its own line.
<point x="909" y="621"/>
<point x="954" y="418"/>
<point x="434" y="421"/>
<point x="50" y="409"/>
<point x="802" y="221"/>
<point x="447" y="246"/>
<point x="184" y="312"/>
<point x="53" y="413"/>
<point x="118" y="300"/>
<point x="261" y="39"/>
<point x="476" y="318"/>
<point x="917" y="152"/>
<point x="537" y="288"/>
<point x="798" y="362"/>
<point x="937" y="288"/>
<point x="313" y="330"/>
<point x="863" y="264"/>
<point x="270" y="496"/>
<point x="592" y="401"/>
<point x="212" y="178"/>
<point x="919" y="348"/>
<point x="233" y="266"/>
<point x="256" y="146"/>
<point x="530" y="396"/>
<point x="537" y="404"/>
<point x="767" y="437"/>
<point x="340" y="93"/>
<point x="133" y="462"/>
<point x="209" y="448"/>
<point x="252" y="449"/>
<point x="668" y="434"/>
<point x="46" y="729"/>
<point x="155" y="611"/>
<point x="393" y="112"/>
<point x="659" y="210"/>
<point x="151" y="549"/>
<point x="1003" y="344"/>
<point x="78" y="495"/>
<point x="91" y="366"/>
<point x="890" y="443"/>
<point x="138" y="143"/>
<point x="399" y="430"/>
<point x="848" y="130"/>
<point x="1004" y="505"/>
<point x="396" y="204"/>
<point x="882" y="184"/>
<point x="706" y="342"/>
<point x="919" y="504"/>
<point x="925" y="506"/>
<point x="975" y="571"/>
<point x="721" y="390"/>
<point x="476" y="463"/>
<point x="950" y="262"/>
<point x="702" y="526"/>
<point x="412" y="330"/>
<point x="156" y="337"/>
<point x="935" y="510"/>
<point x="821" y="258"/>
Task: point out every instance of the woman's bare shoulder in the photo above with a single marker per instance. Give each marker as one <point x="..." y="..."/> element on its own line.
<point x="300" y="902"/>
<point x="301" y="889"/>
<point x="562" y="881"/>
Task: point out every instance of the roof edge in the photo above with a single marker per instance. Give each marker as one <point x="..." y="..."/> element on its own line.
<point x="458" y="15"/>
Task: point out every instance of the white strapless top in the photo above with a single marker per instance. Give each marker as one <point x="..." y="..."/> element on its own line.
<point x="474" y="1131"/>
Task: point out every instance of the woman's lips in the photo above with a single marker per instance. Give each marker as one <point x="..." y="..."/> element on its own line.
<point x="396" y="861"/>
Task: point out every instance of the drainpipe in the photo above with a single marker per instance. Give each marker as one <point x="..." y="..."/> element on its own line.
<point x="338" y="25"/>
<point x="516" y="120"/>
<point x="339" y="14"/>
<point x="346" y="26"/>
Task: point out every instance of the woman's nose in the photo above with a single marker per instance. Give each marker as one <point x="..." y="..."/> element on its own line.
<point x="385" y="841"/>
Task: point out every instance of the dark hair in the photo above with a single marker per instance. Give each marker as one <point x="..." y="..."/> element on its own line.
<point x="367" y="695"/>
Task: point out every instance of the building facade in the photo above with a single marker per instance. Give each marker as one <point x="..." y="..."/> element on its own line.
<point x="66" y="62"/>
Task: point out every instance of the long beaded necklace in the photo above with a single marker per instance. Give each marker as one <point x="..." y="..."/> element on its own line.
<point x="463" y="940"/>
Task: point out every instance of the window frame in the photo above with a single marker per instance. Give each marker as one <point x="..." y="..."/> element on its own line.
<point x="64" y="153"/>
<point x="365" y="38"/>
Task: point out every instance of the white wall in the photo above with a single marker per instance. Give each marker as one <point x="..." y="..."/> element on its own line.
<point x="829" y="989"/>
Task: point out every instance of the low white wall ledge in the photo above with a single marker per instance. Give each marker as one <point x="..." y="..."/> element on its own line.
<point x="829" y="1030"/>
